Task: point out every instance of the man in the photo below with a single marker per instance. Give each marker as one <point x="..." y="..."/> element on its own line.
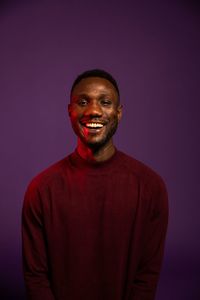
<point x="94" y="224"/>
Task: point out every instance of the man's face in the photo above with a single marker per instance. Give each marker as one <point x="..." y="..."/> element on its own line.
<point x="94" y="111"/>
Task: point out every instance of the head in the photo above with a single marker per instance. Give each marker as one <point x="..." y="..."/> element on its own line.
<point x="96" y="73"/>
<point x="95" y="108"/>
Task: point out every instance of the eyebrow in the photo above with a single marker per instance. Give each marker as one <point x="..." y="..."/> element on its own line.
<point x="84" y="95"/>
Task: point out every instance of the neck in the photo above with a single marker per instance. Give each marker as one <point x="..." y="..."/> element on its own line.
<point x="96" y="154"/>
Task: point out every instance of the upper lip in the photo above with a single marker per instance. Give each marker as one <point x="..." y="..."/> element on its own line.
<point x="84" y="122"/>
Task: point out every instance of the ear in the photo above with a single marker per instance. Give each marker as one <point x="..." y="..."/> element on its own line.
<point x="69" y="109"/>
<point x="119" y="112"/>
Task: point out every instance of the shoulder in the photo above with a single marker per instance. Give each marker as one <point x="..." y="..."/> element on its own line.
<point x="152" y="187"/>
<point x="148" y="177"/>
<point x="49" y="176"/>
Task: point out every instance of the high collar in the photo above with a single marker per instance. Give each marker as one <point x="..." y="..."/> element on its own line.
<point x="93" y="166"/>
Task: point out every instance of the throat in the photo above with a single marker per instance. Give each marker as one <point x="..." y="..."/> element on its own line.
<point x="98" y="154"/>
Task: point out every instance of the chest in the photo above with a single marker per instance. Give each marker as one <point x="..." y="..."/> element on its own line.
<point x="89" y="201"/>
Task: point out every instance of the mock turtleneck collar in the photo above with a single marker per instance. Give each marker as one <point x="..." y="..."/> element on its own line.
<point x="78" y="162"/>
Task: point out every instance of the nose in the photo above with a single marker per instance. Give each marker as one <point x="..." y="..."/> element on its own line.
<point x="93" y="110"/>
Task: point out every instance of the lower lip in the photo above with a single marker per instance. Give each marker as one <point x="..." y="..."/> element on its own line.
<point x="93" y="130"/>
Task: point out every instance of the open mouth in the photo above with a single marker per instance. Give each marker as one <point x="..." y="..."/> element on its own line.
<point x="93" y="125"/>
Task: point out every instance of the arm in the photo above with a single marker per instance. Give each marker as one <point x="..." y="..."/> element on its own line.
<point x="147" y="275"/>
<point x="35" y="264"/>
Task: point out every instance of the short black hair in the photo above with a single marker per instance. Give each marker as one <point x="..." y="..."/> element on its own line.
<point x="95" y="73"/>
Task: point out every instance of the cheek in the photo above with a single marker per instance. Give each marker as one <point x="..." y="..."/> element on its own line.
<point x="113" y="117"/>
<point x="74" y="116"/>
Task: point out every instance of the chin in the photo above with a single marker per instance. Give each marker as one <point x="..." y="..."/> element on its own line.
<point x="95" y="144"/>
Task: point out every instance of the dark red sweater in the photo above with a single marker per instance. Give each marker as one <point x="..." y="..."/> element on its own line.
<point x="94" y="231"/>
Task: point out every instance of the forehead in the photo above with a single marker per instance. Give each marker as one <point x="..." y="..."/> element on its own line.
<point x="94" y="85"/>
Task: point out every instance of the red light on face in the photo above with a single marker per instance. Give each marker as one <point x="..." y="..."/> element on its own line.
<point x="94" y="111"/>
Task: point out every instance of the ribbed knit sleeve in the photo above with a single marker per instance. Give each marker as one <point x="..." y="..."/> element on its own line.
<point x="35" y="261"/>
<point x="148" y="271"/>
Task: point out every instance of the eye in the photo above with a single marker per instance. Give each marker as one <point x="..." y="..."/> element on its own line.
<point x="106" y="102"/>
<point x="82" y="102"/>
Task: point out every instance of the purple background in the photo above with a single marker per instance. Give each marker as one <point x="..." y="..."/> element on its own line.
<point x="152" y="48"/>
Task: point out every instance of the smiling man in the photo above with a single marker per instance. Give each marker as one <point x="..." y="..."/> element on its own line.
<point x="94" y="223"/>
<point x="95" y="111"/>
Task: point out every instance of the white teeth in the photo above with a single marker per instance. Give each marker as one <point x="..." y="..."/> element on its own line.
<point x="94" y="125"/>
